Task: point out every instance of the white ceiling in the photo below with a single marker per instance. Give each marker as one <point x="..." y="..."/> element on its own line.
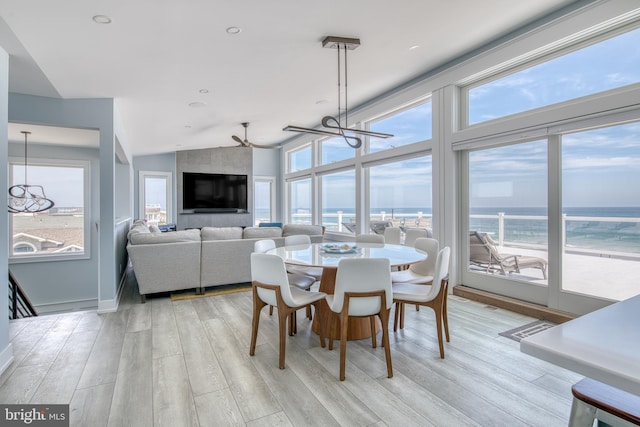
<point x="154" y="58"/>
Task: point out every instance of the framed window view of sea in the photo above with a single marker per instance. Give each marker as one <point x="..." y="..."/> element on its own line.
<point x="508" y="223"/>
<point x="601" y="211"/>
<point x="300" y="201"/>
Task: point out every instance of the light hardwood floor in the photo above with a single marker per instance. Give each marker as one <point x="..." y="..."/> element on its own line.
<point x="187" y="363"/>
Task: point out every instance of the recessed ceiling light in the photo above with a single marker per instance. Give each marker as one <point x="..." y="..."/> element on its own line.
<point x="414" y="47"/>
<point x="234" y="30"/>
<point x="187" y="126"/>
<point x="197" y="104"/>
<point x="321" y="101"/>
<point x="204" y="91"/>
<point x="101" y="19"/>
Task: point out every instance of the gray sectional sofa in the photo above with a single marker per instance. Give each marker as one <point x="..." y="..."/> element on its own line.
<point x="197" y="259"/>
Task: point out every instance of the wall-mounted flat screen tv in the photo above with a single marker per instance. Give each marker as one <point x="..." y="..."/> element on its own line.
<point x="214" y="192"/>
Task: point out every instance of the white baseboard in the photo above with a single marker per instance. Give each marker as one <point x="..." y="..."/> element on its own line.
<point x="61" y="307"/>
<point x="109" y="306"/>
<point x="6" y="358"/>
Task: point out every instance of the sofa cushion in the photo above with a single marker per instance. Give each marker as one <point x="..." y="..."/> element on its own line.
<point x="168" y="237"/>
<point x="137" y="227"/>
<point x="293" y="229"/>
<point x="221" y="233"/>
<point x="261" y="232"/>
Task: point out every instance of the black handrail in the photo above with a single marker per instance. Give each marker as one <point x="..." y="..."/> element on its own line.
<point x="19" y="303"/>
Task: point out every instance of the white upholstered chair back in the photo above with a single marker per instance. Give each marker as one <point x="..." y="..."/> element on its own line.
<point x="270" y="270"/>
<point x="392" y="235"/>
<point x="427" y="266"/>
<point x="414" y="233"/>
<point x="441" y="271"/>
<point x="370" y="238"/>
<point x="297" y="239"/>
<point x="264" y="245"/>
<point x="362" y="275"/>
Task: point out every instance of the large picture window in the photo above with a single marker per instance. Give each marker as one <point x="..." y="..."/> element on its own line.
<point x="401" y="193"/>
<point x="300" y="201"/>
<point x="338" y="199"/>
<point x="407" y="126"/>
<point x="299" y="159"/>
<point x="610" y="64"/>
<point x="62" y="231"/>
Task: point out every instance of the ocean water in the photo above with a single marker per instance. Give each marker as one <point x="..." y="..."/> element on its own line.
<point x="605" y="229"/>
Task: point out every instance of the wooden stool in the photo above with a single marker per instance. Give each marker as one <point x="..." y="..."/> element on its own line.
<point x="594" y="400"/>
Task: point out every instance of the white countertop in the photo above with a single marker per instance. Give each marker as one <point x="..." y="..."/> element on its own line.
<point x="603" y="345"/>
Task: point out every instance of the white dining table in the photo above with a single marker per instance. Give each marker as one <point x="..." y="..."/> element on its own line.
<point x="603" y="345"/>
<point x="320" y="255"/>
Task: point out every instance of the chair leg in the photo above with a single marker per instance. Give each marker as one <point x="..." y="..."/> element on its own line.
<point x="309" y="315"/>
<point x="332" y="329"/>
<point x="344" y="322"/>
<point x="402" y="315"/>
<point x="282" y="330"/>
<point x="270" y="310"/>
<point x="384" y="318"/>
<point x="372" y="323"/>
<point x="396" y="316"/>
<point x="440" y="327"/>
<point x="445" y="318"/>
<point x="258" y="304"/>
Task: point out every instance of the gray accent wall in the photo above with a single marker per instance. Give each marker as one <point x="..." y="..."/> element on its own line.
<point x="226" y="160"/>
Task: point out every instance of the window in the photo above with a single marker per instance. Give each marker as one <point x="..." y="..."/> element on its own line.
<point x="155" y="197"/>
<point x="300" y="202"/>
<point x="508" y="208"/>
<point x="401" y="192"/>
<point x="264" y="199"/>
<point x="601" y="211"/>
<point x="606" y="65"/>
<point x="62" y="231"/>
<point x="338" y="199"/>
<point x="335" y="149"/>
<point x="300" y="159"/>
<point x="407" y="126"/>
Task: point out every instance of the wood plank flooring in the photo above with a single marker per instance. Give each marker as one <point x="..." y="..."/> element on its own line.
<point x="187" y="363"/>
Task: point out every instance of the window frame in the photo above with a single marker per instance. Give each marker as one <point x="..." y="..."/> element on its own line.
<point x="168" y="176"/>
<point x="85" y="165"/>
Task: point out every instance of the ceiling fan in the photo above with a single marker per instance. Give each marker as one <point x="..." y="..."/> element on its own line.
<point x="246" y="143"/>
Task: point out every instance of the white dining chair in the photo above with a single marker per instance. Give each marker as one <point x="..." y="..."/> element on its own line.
<point x="434" y="296"/>
<point x="392" y="235"/>
<point x="270" y="286"/>
<point x="370" y="238"/>
<point x="302" y="239"/>
<point x="422" y="271"/>
<point x="300" y="281"/>
<point x="362" y="289"/>
<point x="411" y="234"/>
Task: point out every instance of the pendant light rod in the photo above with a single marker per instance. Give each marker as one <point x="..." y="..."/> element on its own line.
<point x="349" y="134"/>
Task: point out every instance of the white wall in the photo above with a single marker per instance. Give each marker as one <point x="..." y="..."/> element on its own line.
<point x="6" y="352"/>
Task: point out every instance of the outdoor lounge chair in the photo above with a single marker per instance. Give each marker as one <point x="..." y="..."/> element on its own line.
<point x="483" y="253"/>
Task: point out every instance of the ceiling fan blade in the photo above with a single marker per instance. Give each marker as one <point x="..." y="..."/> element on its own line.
<point x="264" y="146"/>
<point x="237" y="139"/>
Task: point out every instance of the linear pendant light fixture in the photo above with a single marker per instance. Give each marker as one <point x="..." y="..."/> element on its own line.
<point x="334" y="125"/>
<point x="26" y="198"/>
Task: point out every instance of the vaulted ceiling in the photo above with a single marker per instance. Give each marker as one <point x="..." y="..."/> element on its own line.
<point x="181" y="80"/>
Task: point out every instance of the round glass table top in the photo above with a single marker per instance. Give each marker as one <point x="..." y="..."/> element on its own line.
<point x="330" y="254"/>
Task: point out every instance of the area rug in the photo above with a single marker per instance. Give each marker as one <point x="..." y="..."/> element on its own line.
<point x="527" y="330"/>
<point x="221" y="290"/>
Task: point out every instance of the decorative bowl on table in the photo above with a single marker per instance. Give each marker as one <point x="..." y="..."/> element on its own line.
<point x="338" y="249"/>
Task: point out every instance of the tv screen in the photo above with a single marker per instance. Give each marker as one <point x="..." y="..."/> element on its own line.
<point x="214" y="192"/>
